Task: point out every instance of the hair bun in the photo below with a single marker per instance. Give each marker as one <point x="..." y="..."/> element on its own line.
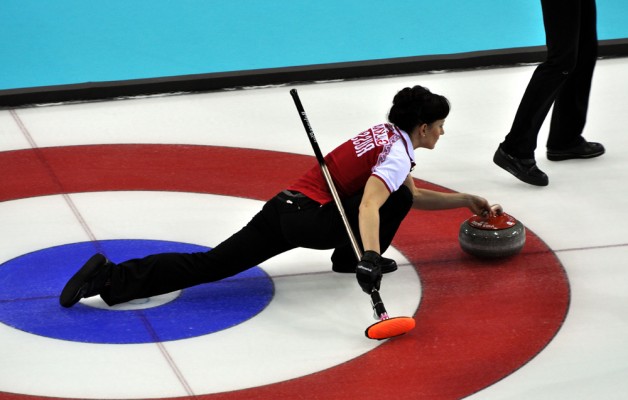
<point x="411" y="95"/>
<point x="402" y="97"/>
<point x="417" y="105"/>
<point x="420" y="93"/>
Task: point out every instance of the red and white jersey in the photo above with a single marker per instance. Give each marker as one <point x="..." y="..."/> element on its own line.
<point x="383" y="151"/>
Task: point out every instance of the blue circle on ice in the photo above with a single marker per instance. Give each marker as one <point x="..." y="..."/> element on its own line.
<point x="31" y="284"/>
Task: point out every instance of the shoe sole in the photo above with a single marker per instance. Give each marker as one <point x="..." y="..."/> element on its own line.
<point x="573" y="156"/>
<point x="389" y="270"/>
<point x="71" y="293"/>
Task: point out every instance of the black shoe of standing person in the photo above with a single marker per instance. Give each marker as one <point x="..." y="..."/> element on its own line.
<point x="524" y="169"/>
<point x="89" y="281"/>
<point x="583" y="150"/>
<point x="386" y="264"/>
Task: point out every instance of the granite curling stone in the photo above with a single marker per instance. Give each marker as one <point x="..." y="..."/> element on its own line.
<point x="493" y="237"/>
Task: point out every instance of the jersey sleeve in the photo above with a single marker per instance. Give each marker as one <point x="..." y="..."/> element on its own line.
<point x="393" y="166"/>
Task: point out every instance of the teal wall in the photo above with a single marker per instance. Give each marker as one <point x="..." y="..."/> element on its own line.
<point x="48" y="43"/>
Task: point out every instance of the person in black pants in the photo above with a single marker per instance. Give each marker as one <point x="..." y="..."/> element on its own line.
<point x="563" y="80"/>
<point x="372" y="175"/>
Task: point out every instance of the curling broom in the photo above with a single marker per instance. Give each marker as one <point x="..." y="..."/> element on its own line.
<point x="386" y="327"/>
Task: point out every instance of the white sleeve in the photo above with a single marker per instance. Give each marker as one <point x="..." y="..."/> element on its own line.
<point x="393" y="166"/>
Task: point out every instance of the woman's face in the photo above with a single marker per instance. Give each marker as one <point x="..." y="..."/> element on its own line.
<point x="430" y="133"/>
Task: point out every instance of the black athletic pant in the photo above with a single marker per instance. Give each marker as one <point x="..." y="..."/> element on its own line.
<point x="284" y="223"/>
<point x="564" y="80"/>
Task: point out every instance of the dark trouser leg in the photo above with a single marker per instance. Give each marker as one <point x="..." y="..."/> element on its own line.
<point x="258" y="241"/>
<point x="391" y="215"/>
<point x="571" y="105"/>
<point x="562" y="28"/>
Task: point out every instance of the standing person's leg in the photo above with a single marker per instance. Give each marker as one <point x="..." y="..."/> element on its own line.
<point x="562" y="25"/>
<point x="571" y="105"/>
<point x="515" y="154"/>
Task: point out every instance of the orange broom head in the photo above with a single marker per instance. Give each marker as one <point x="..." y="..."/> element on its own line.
<point x="389" y="328"/>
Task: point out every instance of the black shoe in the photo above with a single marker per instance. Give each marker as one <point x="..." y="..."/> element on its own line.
<point x="387" y="265"/>
<point x="524" y="169"/>
<point x="87" y="282"/>
<point x="583" y="150"/>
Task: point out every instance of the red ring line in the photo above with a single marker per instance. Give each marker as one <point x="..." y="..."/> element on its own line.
<point x="478" y="321"/>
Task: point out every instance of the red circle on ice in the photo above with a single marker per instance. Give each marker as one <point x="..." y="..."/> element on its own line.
<point x="478" y="320"/>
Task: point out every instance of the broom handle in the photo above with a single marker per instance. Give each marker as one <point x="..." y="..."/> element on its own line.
<point x="376" y="300"/>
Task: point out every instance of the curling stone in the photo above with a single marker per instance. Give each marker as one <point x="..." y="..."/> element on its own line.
<point x="492" y="237"/>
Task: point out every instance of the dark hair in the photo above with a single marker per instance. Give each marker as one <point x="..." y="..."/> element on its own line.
<point x="416" y="106"/>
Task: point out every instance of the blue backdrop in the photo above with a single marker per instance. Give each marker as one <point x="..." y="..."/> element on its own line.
<point x="46" y="43"/>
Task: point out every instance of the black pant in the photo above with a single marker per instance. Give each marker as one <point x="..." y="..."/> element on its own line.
<point x="284" y="223"/>
<point x="564" y="80"/>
